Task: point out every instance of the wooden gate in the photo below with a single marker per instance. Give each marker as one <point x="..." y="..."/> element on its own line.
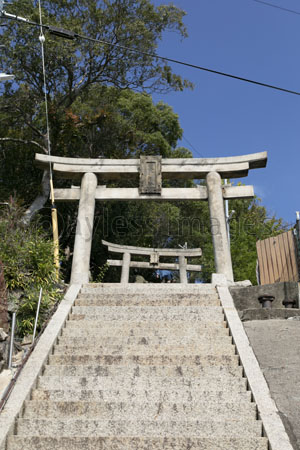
<point x="277" y="259"/>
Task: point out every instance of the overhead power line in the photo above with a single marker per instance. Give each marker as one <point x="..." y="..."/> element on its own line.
<point x="194" y="66"/>
<point x="72" y="35"/>
<point x="193" y="148"/>
<point x="277" y="7"/>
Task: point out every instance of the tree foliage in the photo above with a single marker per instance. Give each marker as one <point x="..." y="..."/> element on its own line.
<point x="80" y="72"/>
<point x="172" y="224"/>
<point x="250" y="223"/>
<point x="100" y="106"/>
<point x="27" y="256"/>
<point x="73" y="66"/>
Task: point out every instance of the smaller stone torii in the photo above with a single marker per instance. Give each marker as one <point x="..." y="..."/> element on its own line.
<point x="148" y="172"/>
<point x="154" y="254"/>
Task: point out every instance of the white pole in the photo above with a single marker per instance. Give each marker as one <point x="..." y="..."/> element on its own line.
<point x="37" y="314"/>
<point x="6" y="77"/>
<point x="227" y="215"/>
<point x="12" y="336"/>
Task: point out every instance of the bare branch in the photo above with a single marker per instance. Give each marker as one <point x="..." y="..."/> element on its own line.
<point x="24" y="141"/>
<point x="29" y="123"/>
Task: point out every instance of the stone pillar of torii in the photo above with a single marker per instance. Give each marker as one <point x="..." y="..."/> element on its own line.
<point x="148" y="171"/>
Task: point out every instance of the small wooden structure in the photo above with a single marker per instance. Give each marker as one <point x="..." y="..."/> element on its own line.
<point x="277" y="259"/>
<point x="154" y="263"/>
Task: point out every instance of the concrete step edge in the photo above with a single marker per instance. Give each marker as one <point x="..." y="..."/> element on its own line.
<point x="136" y="443"/>
<point x="187" y="428"/>
<point x="170" y="371"/>
<point x="141" y="360"/>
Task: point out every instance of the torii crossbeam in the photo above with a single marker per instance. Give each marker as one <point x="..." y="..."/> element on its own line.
<point x="150" y="170"/>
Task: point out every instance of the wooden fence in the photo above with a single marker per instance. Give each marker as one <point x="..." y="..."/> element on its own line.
<point x="277" y="259"/>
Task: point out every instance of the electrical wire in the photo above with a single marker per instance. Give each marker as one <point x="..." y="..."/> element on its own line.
<point x="72" y="35"/>
<point x="191" y="145"/>
<point x="42" y="40"/>
<point x="53" y="207"/>
<point x="194" y="66"/>
<point x="277" y="7"/>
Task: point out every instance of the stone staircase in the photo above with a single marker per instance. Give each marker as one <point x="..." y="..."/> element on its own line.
<point x="142" y="367"/>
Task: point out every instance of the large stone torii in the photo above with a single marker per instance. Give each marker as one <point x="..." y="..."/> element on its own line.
<point x="150" y="170"/>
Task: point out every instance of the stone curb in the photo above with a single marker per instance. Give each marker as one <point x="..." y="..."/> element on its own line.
<point x="269" y="414"/>
<point x="34" y="366"/>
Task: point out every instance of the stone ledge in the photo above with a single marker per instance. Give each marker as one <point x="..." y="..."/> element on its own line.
<point x="276" y="346"/>
<point x="268" y="412"/>
<point x="34" y="366"/>
<point x="268" y="313"/>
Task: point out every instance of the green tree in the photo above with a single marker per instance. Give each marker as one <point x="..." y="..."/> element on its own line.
<point x="250" y="223"/>
<point x="77" y="68"/>
<point x="94" y="112"/>
<point x="107" y="122"/>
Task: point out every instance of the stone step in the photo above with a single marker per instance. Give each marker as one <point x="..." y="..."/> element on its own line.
<point x="146" y="411"/>
<point x="83" y="319"/>
<point x="166" y="327"/>
<point x="216" y="394"/>
<point x="224" y="381"/>
<point x="147" y="288"/>
<point x="159" y="292"/>
<point x="135" y="443"/>
<point x="142" y="360"/>
<point x="152" y="293"/>
<point x="141" y="371"/>
<point x="144" y="313"/>
<point x="150" y="341"/>
<point x="137" y="333"/>
<point x="129" y="300"/>
<point x="142" y="367"/>
<point x="158" y="428"/>
<point x="203" y="348"/>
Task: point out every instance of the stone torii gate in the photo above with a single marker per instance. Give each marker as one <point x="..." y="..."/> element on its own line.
<point x="154" y="254"/>
<point x="150" y="170"/>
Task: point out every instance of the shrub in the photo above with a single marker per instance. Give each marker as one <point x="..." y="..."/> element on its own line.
<point x="27" y="256"/>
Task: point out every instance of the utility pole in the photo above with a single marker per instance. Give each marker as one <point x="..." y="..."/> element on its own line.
<point x="228" y="215"/>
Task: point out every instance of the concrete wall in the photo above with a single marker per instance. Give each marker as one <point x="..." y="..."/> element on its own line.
<point x="247" y="297"/>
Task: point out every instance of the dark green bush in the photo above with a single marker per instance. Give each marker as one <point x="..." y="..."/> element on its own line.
<point x="27" y="256"/>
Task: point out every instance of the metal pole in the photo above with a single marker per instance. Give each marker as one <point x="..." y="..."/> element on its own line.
<point x="227" y="215"/>
<point x="37" y="314"/>
<point x="12" y="336"/>
<point x="298" y="224"/>
<point x="298" y="244"/>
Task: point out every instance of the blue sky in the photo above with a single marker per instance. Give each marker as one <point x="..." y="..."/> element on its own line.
<point x="225" y="117"/>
